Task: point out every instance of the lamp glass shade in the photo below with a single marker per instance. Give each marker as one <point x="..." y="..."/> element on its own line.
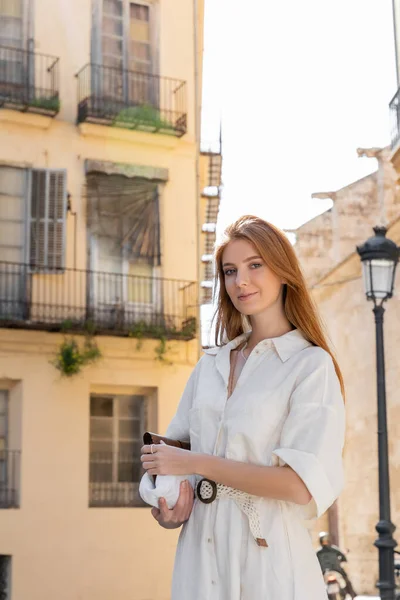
<point x="378" y="276"/>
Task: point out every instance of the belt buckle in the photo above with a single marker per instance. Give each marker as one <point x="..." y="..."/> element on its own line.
<point x="208" y="498"/>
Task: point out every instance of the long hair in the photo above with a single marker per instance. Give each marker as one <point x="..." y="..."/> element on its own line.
<point x="277" y="252"/>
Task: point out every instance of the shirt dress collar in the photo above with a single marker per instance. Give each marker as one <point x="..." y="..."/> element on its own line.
<point x="286" y="345"/>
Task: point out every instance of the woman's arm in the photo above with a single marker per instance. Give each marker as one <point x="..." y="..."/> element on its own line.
<point x="279" y="483"/>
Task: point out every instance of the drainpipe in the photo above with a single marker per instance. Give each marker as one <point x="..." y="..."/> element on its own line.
<point x="396" y="40"/>
<point x="197" y="114"/>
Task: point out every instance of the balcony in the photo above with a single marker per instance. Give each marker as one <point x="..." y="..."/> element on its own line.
<point x="102" y="303"/>
<point x="29" y="81"/>
<point x="132" y="100"/>
<point x="9" y="478"/>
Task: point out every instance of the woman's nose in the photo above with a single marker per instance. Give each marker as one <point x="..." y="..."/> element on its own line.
<point x="241" y="279"/>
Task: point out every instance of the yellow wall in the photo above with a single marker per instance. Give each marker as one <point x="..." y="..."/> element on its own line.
<point x="62" y="549"/>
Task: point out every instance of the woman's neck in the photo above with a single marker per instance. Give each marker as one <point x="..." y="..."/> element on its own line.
<point x="262" y="329"/>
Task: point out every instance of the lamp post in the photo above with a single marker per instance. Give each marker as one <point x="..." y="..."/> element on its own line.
<point x="379" y="257"/>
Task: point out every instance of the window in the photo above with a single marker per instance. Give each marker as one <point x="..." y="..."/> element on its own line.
<point x="11" y="23"/>
<point x="13" y="192"/>
<point x="139" y="38"/>
<point x="126" y="36"/>
<point x="9" y="457"/>
<point x="4" y="454"/>
<point x="39" y="238"/>
<point x="48" y="204"/>
<point x="140" y="282"/>
<point x="124" y="45"/>
<point x="5" y="577"/>
<point x="117" y="424"/>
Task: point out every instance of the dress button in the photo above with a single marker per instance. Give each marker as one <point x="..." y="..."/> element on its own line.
<point x="209" y="540"/>
<point x="213" y="582"/>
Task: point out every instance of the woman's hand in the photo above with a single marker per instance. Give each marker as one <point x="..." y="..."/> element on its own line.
<point x="167" y="460"/>
<point x="174" y="518"/>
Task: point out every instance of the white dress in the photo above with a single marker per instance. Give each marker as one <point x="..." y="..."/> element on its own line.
<point x="286" y="408"/>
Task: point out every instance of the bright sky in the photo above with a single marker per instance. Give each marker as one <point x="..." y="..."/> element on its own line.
<point x="300" y="85"/>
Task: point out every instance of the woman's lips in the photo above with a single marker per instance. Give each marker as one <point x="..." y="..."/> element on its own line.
<point x="245" y="297"/>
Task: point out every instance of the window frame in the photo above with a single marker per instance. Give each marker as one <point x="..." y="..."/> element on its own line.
<point x="122" y="488"/>
<point x="97" y="33"/>
<point x="7" y="579"/>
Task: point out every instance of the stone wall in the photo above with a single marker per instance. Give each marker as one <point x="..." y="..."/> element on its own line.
<point x="329" y="238"/>
<point x="350" y="323"/>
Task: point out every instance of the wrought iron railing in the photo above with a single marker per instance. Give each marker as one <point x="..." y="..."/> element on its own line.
<point x="112" y="303"/>
<point x="133" y="100"/>
<point x="29" y="81"/>
<point x="114" y="479"/>
<point x="9" y="478"/>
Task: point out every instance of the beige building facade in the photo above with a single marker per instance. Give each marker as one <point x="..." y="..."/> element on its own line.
<point x="326" y="247"/>
<point x="101" y="215"/>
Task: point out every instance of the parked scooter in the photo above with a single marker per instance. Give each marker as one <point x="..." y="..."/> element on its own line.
<point x="331" y="558"/>
<point x="336" y="587"/>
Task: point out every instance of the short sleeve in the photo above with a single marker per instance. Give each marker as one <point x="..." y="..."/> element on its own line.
<point x="178" y="429"/>
<point x="312" y="437"/>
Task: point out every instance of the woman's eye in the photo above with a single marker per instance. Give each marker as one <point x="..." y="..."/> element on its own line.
<point x="229" y="271"/>
<point x="256" y="265"/>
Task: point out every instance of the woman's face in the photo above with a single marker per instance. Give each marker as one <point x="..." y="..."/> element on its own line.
<point x="249" y="282"/>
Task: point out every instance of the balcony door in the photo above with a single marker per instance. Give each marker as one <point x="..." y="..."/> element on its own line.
<point x="16" y="64"/>
<point x="13" y="241"/>
<point x="125" y="51"/>
<point x="124" y="290"/>
<point x="124" y="250"/>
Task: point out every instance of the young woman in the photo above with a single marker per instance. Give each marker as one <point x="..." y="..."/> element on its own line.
<point x="264" y="413"/>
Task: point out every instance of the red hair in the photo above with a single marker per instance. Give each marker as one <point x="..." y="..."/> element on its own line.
<point x="278" y="253"/>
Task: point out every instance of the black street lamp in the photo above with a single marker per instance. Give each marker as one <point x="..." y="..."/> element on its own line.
<point x="379" y="257"/>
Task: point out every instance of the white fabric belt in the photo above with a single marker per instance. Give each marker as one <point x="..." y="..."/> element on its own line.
<point x="207" y="491"/>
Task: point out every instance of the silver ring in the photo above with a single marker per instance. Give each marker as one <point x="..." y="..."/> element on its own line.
<point x="152" y="449"/>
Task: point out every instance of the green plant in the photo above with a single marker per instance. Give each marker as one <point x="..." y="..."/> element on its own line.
<point x="70" y="358"/>
<point x="66" y="325"/>
<point x="52" y="104"/>
<point x="142" y="115"/>
<point x="141" y="330"/>
<point x="161" y="351"/>
<point x="90" y="327"/>
<point x="138" y="331"/>
<point x="189" y="327"/>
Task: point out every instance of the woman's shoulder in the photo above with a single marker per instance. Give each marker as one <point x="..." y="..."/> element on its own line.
<point x="315" y="358"/>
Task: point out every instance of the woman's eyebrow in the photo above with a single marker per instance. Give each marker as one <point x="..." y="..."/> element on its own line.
<point x="246" y="260"/>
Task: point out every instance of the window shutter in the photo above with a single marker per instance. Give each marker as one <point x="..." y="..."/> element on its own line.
<point x="48" y="219"/>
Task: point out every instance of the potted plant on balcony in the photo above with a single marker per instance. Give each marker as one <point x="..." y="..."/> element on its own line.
<point x="145" y="117"/>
